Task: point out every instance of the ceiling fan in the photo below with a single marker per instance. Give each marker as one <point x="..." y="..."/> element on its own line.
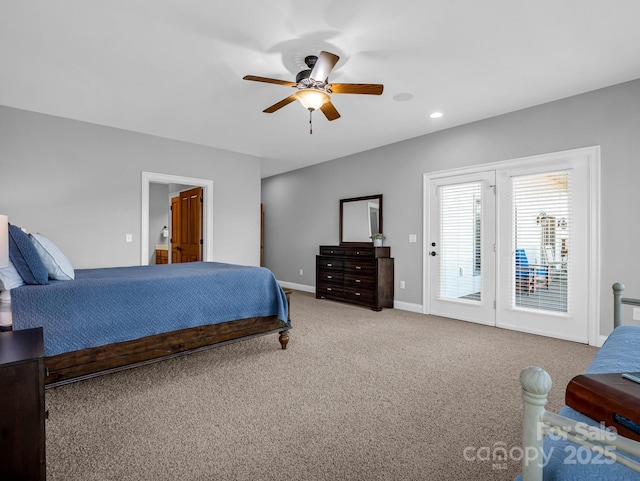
<point x="313" y="88"/>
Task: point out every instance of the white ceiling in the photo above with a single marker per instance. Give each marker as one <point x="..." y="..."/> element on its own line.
<point x="174" y="68"/>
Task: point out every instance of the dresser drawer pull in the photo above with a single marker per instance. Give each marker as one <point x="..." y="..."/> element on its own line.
<point x="358" y="267"/>
<point x="329" y="265"/>
<point x="357" y="253"/>
<point x="357" y="293"/>
<point x="329" y="277"/>
<point x="328" y="288"/>
<point x="357" y="280"/>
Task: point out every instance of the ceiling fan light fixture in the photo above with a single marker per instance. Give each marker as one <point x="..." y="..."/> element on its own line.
<point x="312" y="99"/>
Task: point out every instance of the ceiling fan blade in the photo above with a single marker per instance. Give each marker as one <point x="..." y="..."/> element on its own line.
<point x="269" y="80"/>
<point x="323" y="67"/>
<point x="279" y="105"/>
<point x="330" y="111"/>
<point x="369" y="89"/>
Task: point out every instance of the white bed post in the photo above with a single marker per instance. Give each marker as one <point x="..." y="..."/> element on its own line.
<point x="536" y="384"/>
<point x="618" y="290"/>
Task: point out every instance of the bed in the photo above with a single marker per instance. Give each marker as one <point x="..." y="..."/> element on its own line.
<point x="570" y="446"/>
<point x="109" y="319"/>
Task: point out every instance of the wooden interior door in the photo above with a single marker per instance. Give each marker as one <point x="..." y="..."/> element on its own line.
<point x="186" y="226"/>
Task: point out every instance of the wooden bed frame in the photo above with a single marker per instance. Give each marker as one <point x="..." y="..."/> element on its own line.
<point x="537" y="421"/>
<point x="86" y="363"/>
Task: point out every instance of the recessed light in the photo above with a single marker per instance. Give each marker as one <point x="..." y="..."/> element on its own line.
<point x="436" y="115"/>
<point x="403" y="97"/>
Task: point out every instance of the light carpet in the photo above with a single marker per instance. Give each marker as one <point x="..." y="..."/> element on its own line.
<point x="358" y="395"/>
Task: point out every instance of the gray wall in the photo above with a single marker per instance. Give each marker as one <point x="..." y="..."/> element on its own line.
<point x="80" y="184"/>
<point x="301" y="207"/>
<point x="159" y="216"/>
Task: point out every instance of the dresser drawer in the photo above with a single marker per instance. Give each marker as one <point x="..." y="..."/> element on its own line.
<point x="331" y="251"/>
<point x="360" y="267"/>
<point x="328" y="275"/>
<point x="359" y="252"/>
<point x="359" y="282"/>
<point x="325" y="263"/>
<point x="329" y="289"/>
<point x="358" y="295"/>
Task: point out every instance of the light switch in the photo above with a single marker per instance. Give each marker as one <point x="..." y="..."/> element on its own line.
<point x="412" y="238"/>
<point x="129" y="238"/>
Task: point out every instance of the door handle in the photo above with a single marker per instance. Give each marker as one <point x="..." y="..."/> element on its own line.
<point x="433" y="253"/>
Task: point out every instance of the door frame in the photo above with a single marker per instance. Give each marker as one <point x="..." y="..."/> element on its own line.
<point x="592" y="155"/>
<point x="207" y="211"/>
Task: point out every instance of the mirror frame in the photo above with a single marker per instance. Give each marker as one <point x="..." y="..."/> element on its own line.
<point x="357" y="199"/>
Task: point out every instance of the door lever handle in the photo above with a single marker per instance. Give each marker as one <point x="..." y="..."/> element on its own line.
<point x="433" y="253"/>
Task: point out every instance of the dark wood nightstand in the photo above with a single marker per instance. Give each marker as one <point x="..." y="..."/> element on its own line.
<point x="609" y="399"/>
<point x="5" y="317"/>
<point x="22" y="410"/>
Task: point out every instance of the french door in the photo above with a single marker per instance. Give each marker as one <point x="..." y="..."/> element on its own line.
<point x="514" y="246"/>
<point x="461" y="247"/>
<point x="543" y="260"/>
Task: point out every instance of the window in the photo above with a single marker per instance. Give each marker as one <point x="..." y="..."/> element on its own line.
<point x="461" y="241"/>
<point x="542" y="241"/>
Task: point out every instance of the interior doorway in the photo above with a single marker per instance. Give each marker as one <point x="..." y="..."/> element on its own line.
<point x="151" y="178"/>
<point x="186" y="226"/>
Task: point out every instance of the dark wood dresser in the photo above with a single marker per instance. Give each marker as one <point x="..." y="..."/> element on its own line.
<point x="22" y="411"/>
<point x="361" y="275"/>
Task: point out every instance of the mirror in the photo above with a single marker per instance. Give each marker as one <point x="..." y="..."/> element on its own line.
<point x="359" y="218"/>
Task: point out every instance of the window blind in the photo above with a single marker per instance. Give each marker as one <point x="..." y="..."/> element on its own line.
<point x="541" y="228"/>
<point x="460" y="241"/>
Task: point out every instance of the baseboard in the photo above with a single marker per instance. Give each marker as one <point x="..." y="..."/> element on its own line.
<point x="408" y="306"/>
<point x="297" y="287"/>
<point x="403" y="306"/>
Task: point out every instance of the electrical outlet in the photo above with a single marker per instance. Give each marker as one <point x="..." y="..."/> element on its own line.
<point x="129" y="238"/>
<point x="300" y="271"/>
<point x="402" y="285"/>
<point x="412" y="238"/>
<point x="636" y="313"/>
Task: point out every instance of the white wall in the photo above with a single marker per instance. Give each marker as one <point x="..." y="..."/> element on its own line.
<point x="80" y="184"/>
<point x="301" y="207"/>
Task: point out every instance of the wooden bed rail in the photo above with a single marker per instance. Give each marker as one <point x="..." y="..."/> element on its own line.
<point x="618" y="301"/>
<point x="538" y="422"/>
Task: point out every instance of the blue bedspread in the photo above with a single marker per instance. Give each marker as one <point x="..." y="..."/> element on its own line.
<point x="569" y="462"/>
<point x="102" y="306"/>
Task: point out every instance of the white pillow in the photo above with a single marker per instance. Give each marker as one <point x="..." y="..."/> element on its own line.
<point x="5" y="296"/>
<point x="10" y="278"/>
<point x="57" y="264"/>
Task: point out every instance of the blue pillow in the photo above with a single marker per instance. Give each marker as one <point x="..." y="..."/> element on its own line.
<point x="25" y="258"/>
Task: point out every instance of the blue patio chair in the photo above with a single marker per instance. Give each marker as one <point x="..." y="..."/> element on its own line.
<point x="529" y="275"/>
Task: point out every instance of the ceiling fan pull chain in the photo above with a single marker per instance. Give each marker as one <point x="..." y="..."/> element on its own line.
<point x="310" y="124"/>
